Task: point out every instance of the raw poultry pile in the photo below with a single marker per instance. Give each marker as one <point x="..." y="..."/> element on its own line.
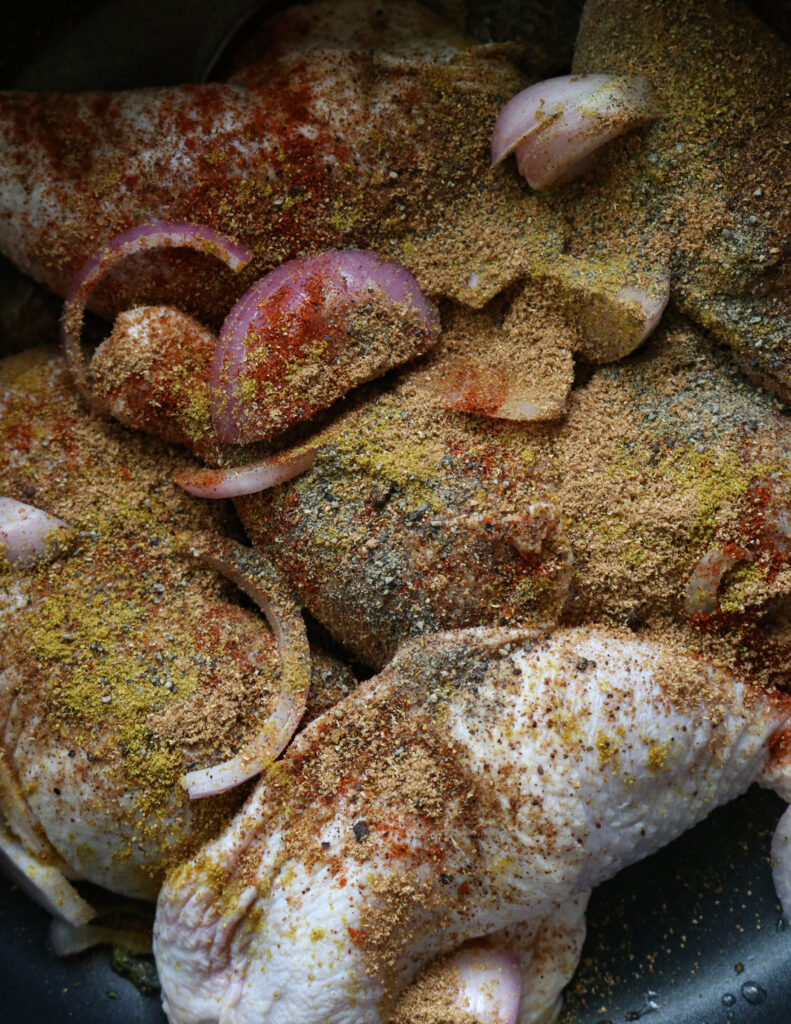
<point x="464" y="429"/>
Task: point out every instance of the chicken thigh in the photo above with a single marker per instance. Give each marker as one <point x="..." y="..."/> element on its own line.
<point x="483" y="781"/>
<point x="707" y="183"/>
<point x="660" y="498"/>
<point x="123" y="663"/>
<point x="357" y="124"/>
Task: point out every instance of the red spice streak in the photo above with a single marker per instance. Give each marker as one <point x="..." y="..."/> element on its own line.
<point x="471" y="387"/>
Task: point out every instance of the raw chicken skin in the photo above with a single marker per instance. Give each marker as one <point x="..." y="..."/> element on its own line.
<point x="482" y="780"/>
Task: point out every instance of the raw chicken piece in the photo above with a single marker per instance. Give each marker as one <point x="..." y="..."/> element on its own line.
<point x="358" y="125"/>
<point x="414" y="518"/>
<point x="708" y="184"/>
<point x="353" y="125"/>
<point x="122" y="663"/>
<point x="661" y="496"/>
<point x="480" y="782"/>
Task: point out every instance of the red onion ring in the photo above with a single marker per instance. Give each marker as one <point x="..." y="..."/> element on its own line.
<point x="28" y="535"/>
<point x="254" y="574"/>
<point x="298" y="301"/>
<point x="700" y="597"/>
<point x="490" y="984"/>
<point x="230" y="483"/>
<point x="158" y="234"/>
<point x="554" y="127"/>
<point x="42" y="882"/>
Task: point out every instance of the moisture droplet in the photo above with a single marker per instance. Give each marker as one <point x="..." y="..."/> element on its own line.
<point x="753" y="993"/>
<point x="729" y="999"/>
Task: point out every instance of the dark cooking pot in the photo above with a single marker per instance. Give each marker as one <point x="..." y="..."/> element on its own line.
<point x="691" y="936"/>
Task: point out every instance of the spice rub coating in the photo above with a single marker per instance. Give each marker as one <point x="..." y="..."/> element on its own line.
<point x="432" y="518"/>
<point x="340" y="142"/>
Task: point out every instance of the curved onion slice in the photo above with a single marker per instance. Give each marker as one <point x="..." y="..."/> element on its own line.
<point x="554" y="127"/>
<point x="258" y="578"/>
<point x="158" y="234"/>
<point x="648" y="306"/>
<point x="68" y="939"/>
<point x="778" y="528"/>
<point x="42" y="882"/>
<point x="230" y="483"/>
<point x="490" y="984"/>
<point x="701" y="593"/>
<point x="27" y="534"/>
<point x="616" y="322"/>
<point x="300" y="338"/>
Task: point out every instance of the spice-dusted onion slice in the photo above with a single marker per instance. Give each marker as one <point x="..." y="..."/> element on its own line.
<point x="614" y="318"/>
<point x="307" y="333"/>
<point x="701" y="593"/>
<point x="27" y="534"/>
<point x="490" y="984"/>
<point x="554" y="127"/>
<point x="41" y="881"/>
<point x="259" y="579"/>
<point x="158" y="234"/>
<point x="648" y="306"/>
<point x="231" y="482"/>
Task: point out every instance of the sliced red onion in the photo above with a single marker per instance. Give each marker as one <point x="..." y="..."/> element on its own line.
<point x="615" y="323"/>
<point x="780" y="857"/>
<point x="27" y="534"/>
<point x="490" y="984"/>
<point x="777" y="528"/>
<point x="648" y="306"/>
<point x="68" y="939"/>
<point x="230" y="483"/>
<point x="271" y="333"/>
<point x="554" y="127"/>
<point x="42" y="882"/>
<point x="159" y="234"/>
<point x="258" y="578"/>
<point x="701" y="594"/>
